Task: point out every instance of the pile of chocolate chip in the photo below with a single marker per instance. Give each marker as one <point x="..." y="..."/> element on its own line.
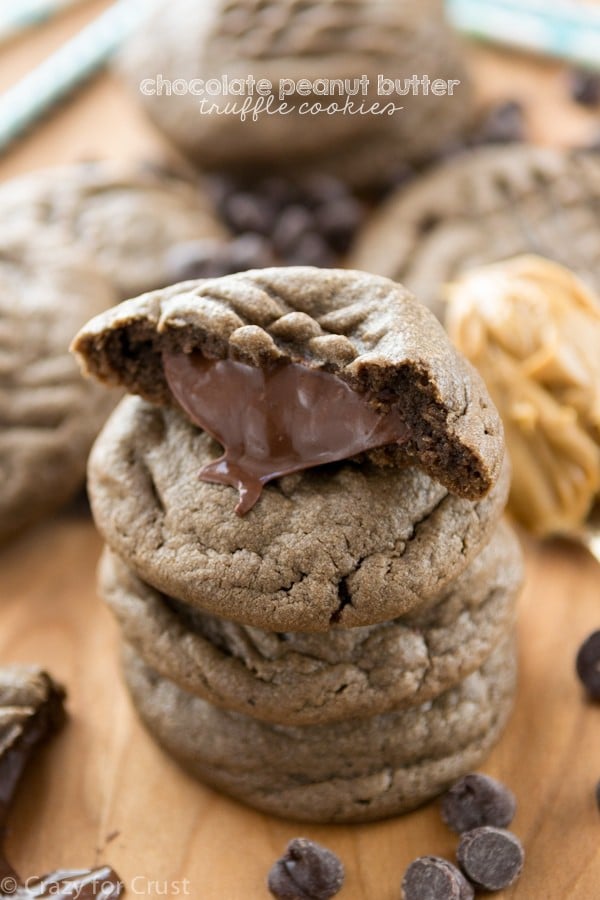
<point x="275" y="221"/>
<point x="490" y="858"/>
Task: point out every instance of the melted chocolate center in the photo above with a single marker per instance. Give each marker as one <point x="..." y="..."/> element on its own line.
<point x="275" y="421"/>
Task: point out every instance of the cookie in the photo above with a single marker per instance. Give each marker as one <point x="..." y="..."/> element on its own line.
<point x="345" y="544"/>
<point x="125" y="215"/>
<point x="337" y="49"/>
<point x="49" y="414"/>
<point x="338" y="353"/>
<point x="353" y="771"/>
<point x="302" y="679"/>
<point x="482" y="207"/>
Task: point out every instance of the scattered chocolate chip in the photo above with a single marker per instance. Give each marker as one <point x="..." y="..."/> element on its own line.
<point x="434" y="878"/>
<point x="306" y="871"/>
<point x="193" y="259"/>
<point x="294" y="223"/>
<point x="588" y="665"/>
<point x="311" y="250"/>
<point x="491" y="858"/>
<point x="249" y="212"/>
<point x="339" y="221"/>
<point x="307" y="221"/>
<point x="502" y="124"/>
<point x="318" y="189"/>
<point x="477" y="800"/>
<point x="212" y="259"/>
<point x="593" y="145"/>
<point x="249" y="251"/>
<point x="584" y="86"/>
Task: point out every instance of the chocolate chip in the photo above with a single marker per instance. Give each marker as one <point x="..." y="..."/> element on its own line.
<point x="598" y="795"/>
<point x="588" y="665"/>
<point x="434" y="878"/>
<point x="308" y="220"/>
<point x="477" y="800"/>
<point x="306" y="871"/>
<point x="584" y="86"/>
<point x="293" y="224"/>
<point x="278" y="190"/>
<point x="311" y="250"/>
<point x="338" y="222"/>
<point x="491" y="858"/>
<point x="502" y="124"/>
<point x="249" y="251"/>
<point x="213" y="259"/>
<point x="193" y="259"/>
<point x="319" y="189"/>
<point x="249" y="212"/>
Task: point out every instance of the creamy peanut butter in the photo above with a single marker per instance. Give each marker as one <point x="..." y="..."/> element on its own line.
<point x="532" y="328"/>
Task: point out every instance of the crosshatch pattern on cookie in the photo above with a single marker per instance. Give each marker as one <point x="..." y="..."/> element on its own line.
<point x="485" y="206"/>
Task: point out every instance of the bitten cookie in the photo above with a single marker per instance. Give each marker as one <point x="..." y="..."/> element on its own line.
<point x="302" y="679"/>
<point x="356" y="770"/>
<point x="485" y="206"/>
<point x="126" y="216"/>
<point x="338" y="49"/>
<point x="360" y="335"/>
<point x="49" y="414"/>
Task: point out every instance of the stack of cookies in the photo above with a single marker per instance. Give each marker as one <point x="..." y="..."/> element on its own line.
<point x="339" y="646"/>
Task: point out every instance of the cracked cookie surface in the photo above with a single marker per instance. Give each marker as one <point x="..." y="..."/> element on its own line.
<point x="49" y="414"/>
<point x="344" y="544"/>
<point x="301" y="679"/>
<point x="484" y="206"/>
<point x="353" y="771"/>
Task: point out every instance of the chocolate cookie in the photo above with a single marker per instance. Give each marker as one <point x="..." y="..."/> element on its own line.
<point x="482" y="207"/>
<point x="303" y="679"/>
<point x="344" y="544"/>
<point x="49" y="415"/>
<point x="337" y="50"/>
<point x="127" y="216"/>
<point x="358" y="346"/>
<point x="353" y="771"/>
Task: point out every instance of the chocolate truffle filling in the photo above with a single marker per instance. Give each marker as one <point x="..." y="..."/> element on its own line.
<point x="274" y="421"/>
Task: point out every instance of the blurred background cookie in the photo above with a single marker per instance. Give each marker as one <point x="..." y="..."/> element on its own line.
<point x="49" y="414"/>
<point x="294" y="39"/>
<point x="125" y="215"/>
<point x="485" y="206"/>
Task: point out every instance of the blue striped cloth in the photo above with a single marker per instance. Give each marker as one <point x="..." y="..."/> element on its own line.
<point x="570" y="30"/>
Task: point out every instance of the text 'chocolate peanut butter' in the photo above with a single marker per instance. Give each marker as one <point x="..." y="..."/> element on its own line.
<point x="274" y="421"/>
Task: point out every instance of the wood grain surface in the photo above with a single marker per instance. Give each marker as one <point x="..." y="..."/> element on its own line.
<point x="103" y="792"/>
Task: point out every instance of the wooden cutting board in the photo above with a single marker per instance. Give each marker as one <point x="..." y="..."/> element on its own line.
<point x="103" y="792"/>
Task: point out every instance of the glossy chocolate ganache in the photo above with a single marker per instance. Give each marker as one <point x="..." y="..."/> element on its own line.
<point x="274" y="421"/>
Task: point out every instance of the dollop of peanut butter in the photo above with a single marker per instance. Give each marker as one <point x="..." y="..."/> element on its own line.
<point x="532" y="328"/>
